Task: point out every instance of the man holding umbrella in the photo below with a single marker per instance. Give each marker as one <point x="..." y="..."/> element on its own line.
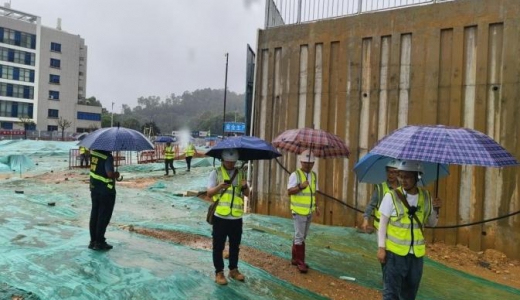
<point x="228" y="185"/>
<point x="103" y="196"/>
<point x="400" y="236"/>
<point x="302" y="190"/>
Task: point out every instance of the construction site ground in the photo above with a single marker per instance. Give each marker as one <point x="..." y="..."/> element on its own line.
<point x="162" y="244"/>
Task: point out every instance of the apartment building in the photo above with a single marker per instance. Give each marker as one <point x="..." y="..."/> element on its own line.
<point x="43" y="76"/>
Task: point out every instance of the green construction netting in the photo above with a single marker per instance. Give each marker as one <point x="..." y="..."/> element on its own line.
<point x="44" y="254"/>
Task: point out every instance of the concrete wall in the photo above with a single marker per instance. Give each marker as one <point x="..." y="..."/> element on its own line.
<point x="361" y="77"/>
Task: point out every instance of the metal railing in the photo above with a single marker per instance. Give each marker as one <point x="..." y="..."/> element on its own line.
<point x="286" y="12"/>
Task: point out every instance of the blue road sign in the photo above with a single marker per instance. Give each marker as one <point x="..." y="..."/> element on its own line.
<point x="235" y="127"/>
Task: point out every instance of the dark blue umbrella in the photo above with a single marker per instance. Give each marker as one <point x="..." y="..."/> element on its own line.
<point x="165" y="139"/>
<point x="249" y="148"/>
<point x="116" y="139"/>
<point x="371" y="169"/>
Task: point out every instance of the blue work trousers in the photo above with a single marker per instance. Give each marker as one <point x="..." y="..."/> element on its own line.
<point x="401" y="276"/>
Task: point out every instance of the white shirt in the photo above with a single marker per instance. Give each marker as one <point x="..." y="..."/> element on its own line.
<point x="293" y="180"/>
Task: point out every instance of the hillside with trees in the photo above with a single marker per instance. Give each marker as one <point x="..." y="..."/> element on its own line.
<point x="198" y="110"/>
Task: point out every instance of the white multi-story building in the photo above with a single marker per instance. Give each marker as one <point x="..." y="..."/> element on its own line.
<point x="43" y="76"/>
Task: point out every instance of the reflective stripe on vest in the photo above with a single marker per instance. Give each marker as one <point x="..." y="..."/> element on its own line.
<point x="403" y="232"/>
<point x="231" y="201"/>
<point x="304" y="202"/>
<point x="381" y="189"/>
<point x="168" y="152"/>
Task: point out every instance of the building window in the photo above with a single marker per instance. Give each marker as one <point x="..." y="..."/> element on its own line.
<point x="17" y="56"/>
<point x="54" y="95"/>
<point x="53" y="114"/>
<point x="16" y="90"/>
<point x="89" y="116"/>
<point x="6" y="125"/>
<point x="55" y="47"/>
<point x="52" y="128"/>
<point x="16" y="109"/>
<point x="17" y="38"/>
<point x="54" y="79"/>
<point x="55" y="63"/>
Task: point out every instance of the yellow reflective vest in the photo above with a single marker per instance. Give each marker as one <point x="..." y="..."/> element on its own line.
<point x="381" y="190"/>
<point x="304" y="202"/>
<point x="403" y="232"/>
<point x="231" y="200"/>
<point x="168" y="152"/>
<point x="190" y="150"/>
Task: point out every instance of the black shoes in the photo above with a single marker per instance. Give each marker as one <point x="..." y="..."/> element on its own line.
<point x="100" y="246"/>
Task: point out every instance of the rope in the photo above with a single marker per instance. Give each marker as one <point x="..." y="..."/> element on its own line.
<point x="436" y="227"/>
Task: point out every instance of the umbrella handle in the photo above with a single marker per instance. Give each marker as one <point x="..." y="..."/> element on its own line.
<point x="120" y="178"/>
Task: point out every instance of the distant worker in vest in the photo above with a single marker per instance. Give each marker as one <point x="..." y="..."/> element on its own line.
<point x="189" y="152"/>
<point x="301" y="188"/>
<point x="227" y="184"/>
<point x="83" y="157"/>
<point x="103" y="196"/>
<point x="404" y="212"/>
<point x="169" y="154"/>
<point x="377" y="196"/>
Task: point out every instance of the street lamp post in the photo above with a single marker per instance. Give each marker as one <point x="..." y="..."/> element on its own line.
<point x="112" y="116"/>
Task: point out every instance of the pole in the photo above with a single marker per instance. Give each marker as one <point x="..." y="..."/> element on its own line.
<point x="225" y="94"/>
<point x="112" y="116"/>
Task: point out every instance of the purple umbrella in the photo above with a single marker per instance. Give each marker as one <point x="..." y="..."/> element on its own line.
<point x="445" y="145"/>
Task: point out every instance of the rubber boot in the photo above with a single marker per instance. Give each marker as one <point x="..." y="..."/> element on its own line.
<point x="303" y="258"/>
<point x="294" y="262"/>
<point x="299" y="259"/>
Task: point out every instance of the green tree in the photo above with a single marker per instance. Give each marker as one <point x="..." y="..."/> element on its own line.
<point x="131" y="123"/>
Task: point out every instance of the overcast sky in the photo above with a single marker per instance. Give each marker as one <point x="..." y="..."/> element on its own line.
<point x="156" y="47"/>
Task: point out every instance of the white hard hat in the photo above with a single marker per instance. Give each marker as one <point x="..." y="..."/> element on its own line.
<point x="307" y="156"/>
<point x="230" y="155"/>
<point x="393" y="163"/>
<point x="410" y="165"/>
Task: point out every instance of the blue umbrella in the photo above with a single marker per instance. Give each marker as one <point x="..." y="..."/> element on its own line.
<point x="116" y="139"/>
<point x="371" y="169"/>
<point x="249" y="148"/>
<point x="165" y="139"/>
<point x="446" y="145"/>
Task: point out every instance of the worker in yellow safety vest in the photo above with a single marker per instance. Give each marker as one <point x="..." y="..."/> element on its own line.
<point x="83" y="157"/>
<point x="404" y="211"/>
<point x="301" y="188"/>
<point x="189" y="152"/>
<point x="228" y="186"/>
<point x="380" y="189"/>
<point x="169" y="154"/>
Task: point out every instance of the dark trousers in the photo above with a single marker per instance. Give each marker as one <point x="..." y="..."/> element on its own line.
<point x="168" y="162"/>
<point x="188" y="162"/>
<point x="223" y="228"/>
<point x="83" y="158"/>
<point x="401" y="276"/>
<point x="100" y="215"/>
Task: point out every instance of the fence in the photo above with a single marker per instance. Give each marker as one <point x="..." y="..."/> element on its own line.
<point x="285" y="12"/>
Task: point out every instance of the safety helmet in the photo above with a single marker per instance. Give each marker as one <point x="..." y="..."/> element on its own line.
<point x="411" y="166"/>
<point x="393" y="163"/>
<point x="230" y="155"/>
<point x="307" y="156"/>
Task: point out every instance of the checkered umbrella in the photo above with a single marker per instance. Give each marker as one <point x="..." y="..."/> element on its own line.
<point x="323" y="144"/>
<point x="445" y="145"/>
<point x="116" y="139"/>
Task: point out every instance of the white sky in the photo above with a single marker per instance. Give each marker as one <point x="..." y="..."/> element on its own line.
<point x="156" y="47"/>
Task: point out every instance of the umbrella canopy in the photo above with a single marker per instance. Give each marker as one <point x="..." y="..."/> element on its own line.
<point x="116" y="139"/>
<point x="371" y="169"/>
<point x="446" y="145"/>
<point x="249" y="148"/>
<point x="165" y="139"/>
<point x="323" y="144"/>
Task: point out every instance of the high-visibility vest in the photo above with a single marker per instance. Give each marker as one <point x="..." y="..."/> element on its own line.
<point x="168" y="152"/>
<point x="381" y="190"/>
<point x="403" y="231"/>
<point x="82" y="150"/>
<point x="304" y="202"/>
<point x="231" y="201"/>
<point x="190" y="150"/>
<point x="99" y="180"/>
